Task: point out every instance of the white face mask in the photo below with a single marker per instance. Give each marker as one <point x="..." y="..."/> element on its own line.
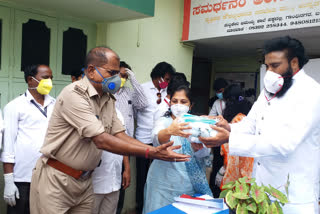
<point x="179" y="109"/>
<point x="273" y="82"/>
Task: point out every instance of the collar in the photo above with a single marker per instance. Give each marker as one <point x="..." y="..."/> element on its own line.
<point x="47" y="98"/>
<point x="120" y="90"/>
<point x="296" y="76"/>
<point x="300" y="73"/>
<point x="151" y="86"/>
<point x="91" y="90"/>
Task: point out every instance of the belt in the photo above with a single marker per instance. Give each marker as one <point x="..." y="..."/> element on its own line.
<point x="77" y="174"/>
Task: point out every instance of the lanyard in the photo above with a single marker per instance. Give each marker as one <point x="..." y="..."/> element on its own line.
<point x="44" y="112"/>
<point x="166" y="102"/>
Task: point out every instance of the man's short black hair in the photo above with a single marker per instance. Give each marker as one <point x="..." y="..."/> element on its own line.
<point x="219" y="83"/>
<point x="161" y="69"/>
<point x="177" y="79"/>
<point x="293" y="47"/>
<point x="97" y="56"/>
<point x="123" y="64"/>
<point x="77" y="72"/>
<point x="30" y="71"/>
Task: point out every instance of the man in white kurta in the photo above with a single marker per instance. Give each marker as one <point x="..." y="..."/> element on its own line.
<point x="282" y="133"/>
<point x="283" y="136"/>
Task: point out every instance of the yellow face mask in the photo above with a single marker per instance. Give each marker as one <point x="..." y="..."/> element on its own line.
<point x="45" y="86"/>
<point x="123" y="81"/>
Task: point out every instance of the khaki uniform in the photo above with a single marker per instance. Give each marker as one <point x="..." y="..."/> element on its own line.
<point x="79" y="115"/>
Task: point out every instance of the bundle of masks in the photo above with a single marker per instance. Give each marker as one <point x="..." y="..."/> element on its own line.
<point x="200" y="127"/>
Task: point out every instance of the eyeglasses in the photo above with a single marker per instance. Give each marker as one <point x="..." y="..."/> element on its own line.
<point x="159" y="98"/>
<point x="113" y="72"/>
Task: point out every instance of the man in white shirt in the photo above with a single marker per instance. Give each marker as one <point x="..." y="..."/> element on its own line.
<point x="155" y="90"/>
<point x="106" y="180"/>
<point x="129" y="100"/>
<point x="26" y="120"/>
<point x="282" y="129"/>
<point x="177" y="80"/>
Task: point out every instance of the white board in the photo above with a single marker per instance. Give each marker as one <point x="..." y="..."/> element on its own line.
<point x="313" y="69"/>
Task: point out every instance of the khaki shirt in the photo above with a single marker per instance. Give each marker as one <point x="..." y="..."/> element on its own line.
<point x="80" y="114"/>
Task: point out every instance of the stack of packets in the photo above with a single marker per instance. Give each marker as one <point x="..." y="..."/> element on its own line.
<point x="186" y="204"/>
<point x="200" y="127"/>
<point x="203" y="204"/>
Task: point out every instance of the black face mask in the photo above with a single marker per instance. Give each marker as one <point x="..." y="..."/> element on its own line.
<point x="287" y="82"/>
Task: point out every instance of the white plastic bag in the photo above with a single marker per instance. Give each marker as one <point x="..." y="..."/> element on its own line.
<point x="200" y="127"/>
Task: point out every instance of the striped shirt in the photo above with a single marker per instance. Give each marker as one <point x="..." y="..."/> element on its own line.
<point x="130" y="100"/>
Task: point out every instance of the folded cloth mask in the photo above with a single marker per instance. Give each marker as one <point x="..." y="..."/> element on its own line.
<point x="200" y="127"/>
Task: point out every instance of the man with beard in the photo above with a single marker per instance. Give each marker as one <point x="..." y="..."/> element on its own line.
<point x="282" y="129"/>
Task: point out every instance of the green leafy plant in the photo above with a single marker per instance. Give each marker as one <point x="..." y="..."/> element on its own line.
<point x="244" y="196"/>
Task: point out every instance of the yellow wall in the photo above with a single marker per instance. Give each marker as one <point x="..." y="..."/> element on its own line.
<point x="145" y="42"/>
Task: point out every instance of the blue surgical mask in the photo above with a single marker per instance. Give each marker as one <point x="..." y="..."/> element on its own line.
<point x="111" y="84"/>
<point x="219" y="95"/>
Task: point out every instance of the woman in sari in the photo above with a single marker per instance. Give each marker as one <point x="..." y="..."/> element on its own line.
<point x="167" y="180"/>
<point x="237" y="107"/>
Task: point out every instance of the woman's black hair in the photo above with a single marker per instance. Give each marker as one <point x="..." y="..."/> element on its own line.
<point x="219" y="83"/>
<point x="177" y="79"/>
<point x="235" y="102"/>
<point x="187" y="91"/>
<point x="293" y="47"/>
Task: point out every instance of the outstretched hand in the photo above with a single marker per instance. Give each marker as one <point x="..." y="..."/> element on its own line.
<point x="178" y="129"/>
<point x="223" y="123"/>
<point x="165" y="152"/>
<point x="221" y="137"/>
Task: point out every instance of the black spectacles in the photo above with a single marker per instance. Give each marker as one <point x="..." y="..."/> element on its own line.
<point x="159" y="98"/>
<point x="113" y="72"/>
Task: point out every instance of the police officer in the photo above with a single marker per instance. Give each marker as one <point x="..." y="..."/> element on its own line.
<point x="83" y="123"/>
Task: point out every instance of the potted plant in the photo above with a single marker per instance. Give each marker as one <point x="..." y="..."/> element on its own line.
<point x="244" y="196"/>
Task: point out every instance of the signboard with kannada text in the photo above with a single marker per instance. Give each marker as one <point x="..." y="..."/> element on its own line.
<point x="218" y="18"/>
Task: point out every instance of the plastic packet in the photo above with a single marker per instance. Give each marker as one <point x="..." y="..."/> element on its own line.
<point x="200" y="127"/>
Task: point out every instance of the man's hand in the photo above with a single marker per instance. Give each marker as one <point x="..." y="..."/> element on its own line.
<point x="223" y="123"/>
<point x="126" y="177"/>
<point x="126" y="173"/>
<point x="130" y="74"/>
<point x="11" y="191"/>
<point x="165" y="152"/>
<point x="221" y="138"/>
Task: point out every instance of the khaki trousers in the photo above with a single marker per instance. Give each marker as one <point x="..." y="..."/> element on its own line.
<point x="106" y="203"/>
<point x="53" y="192"/>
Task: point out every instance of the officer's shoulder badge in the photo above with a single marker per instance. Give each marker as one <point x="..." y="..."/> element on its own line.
<point x="80" y="88"/>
